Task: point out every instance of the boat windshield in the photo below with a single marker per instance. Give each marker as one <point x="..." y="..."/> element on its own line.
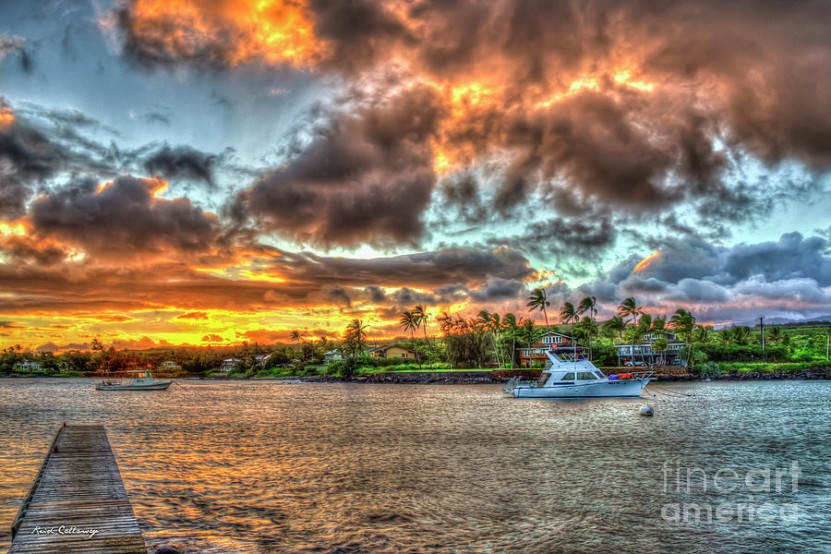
<point x="568" y="377"/>
<point x="586" y="376"/>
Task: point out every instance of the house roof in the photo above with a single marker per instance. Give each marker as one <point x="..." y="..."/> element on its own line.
<point x="387" y="347"/>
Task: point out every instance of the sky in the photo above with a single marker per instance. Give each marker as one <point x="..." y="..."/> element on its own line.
<point x="213" y="172"/>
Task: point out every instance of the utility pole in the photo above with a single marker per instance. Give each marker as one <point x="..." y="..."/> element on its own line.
<point x="762" y="325"/>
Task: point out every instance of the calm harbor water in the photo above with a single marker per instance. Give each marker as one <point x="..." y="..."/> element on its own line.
<point x="266" y="467"/>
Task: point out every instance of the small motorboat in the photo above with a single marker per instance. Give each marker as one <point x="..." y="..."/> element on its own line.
<point x="569" y="374"/>
<point x="138" y="380"/>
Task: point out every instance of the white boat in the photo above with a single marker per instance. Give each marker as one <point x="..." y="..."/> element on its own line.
<point x="571" y="375"/>
<point x="139" y="380"/>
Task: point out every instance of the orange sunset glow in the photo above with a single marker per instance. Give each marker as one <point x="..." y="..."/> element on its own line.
<point x="241" y="169"/>
<point x="275" y="31"/>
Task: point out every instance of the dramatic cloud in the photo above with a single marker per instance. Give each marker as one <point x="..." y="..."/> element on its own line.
<point x="123" y="218"/>
<point x="182" y="162"/>
<point x="364" y="178"/>
<point x="158" y="32"/>
<point x="467" y="151"/>
<point x="787" y="278"/>
<point x="27" y="158"/>
<point x="622" y="104"/>
<point x="424" y="270"/>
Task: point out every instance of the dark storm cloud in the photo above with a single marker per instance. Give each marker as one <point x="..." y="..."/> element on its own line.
<point x="366" y="177"/>
<point x="423" y="270"/>
<point x="123" y="219"/>
<point x="496" y="289"/>
<point x="152" y="49"/>
<point x="338" y="296"/>
<point x="360" y="32"/>
<point x="564" y="237"/>
<point x="787" y="278"/>
<point x="635" y="106"/>
<point x="792" y="256"/>
<point x="376" y="294"/>
<point x="182" y="162"/>
<point x="27" y="158"/>
<point x="463" y="194"/>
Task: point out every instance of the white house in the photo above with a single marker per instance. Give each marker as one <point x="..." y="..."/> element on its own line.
<point x="230" y="364"/>
<point x="643" y="353"/>
<point x="332" y="356"/>
<point x="29" y="365"/>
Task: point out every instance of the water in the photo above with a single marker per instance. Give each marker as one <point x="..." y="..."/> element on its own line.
<point x="265" y="467"/>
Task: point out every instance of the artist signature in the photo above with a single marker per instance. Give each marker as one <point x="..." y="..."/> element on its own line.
<point x="64" y="530"/>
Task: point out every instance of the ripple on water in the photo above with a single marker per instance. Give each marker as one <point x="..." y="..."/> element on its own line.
<point x="263" y="467"/>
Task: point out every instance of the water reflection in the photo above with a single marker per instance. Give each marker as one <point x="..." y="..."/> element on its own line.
<point x="264" y="467"/>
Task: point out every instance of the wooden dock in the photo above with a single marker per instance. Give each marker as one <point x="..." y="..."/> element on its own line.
<point x="77" y="503"/>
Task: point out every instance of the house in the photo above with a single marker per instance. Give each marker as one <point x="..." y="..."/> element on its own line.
<point x="644" y="354"/>
<point x="535" y="354"/>
<point x="261" y="359"/>
<point x="230" y="364"/>
<point x="169" y="367"/>
<point x="332" y="356"/>
<point x="392" y="351"/>
<point x="30" y="366"/>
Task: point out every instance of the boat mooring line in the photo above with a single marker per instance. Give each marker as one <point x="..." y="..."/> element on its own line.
<point x="667" y="393"/>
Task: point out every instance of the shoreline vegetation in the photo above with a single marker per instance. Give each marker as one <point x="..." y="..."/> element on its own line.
<point x="675" y="347"/>
<point x="749" y="372"/>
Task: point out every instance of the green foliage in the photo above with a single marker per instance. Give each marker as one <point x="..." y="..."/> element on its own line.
<point x="744" y="367"/>
<point x="709" y="369"/>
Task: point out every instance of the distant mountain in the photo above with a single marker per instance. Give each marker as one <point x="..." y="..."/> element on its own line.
<point x="784" y="321"/>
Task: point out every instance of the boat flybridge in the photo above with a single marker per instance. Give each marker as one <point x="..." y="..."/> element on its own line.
<point x="570" y="374"/>
<point x="139" y="380"/>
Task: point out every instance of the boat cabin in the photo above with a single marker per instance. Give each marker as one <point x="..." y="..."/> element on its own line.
<point x="556" y="377"/>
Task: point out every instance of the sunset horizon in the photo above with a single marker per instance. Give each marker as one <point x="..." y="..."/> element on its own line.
<point x="189" y="174"/>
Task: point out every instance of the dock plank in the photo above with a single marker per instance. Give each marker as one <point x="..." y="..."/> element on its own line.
<point x="78" y="490"/>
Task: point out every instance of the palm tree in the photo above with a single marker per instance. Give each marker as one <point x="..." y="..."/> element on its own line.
<point x="589" y="304"/>
<point x="660" y="346"/>
<point x="701" y="334"/>
<point x="586" y="328"/>
<point x="684" y="324"/>
<point x="509" y="323"/>
<point x="296" y="337"/>
<point x="528" y="333"/>
<point x="659" y="343"/>
<point x="492" y="324"/>
<point x="630" y="308"/>
<point x="616" y="324"/>
<point x="409" y="322"/>
<point x="355" y="335"/>
<point x="539" y="301"/>
<point x="569" y="314"/>
<point x="740" y="335"/>
<point x="421" y="315"/>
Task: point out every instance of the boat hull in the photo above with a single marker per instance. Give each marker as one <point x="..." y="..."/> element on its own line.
<point x="160" y="385"/>
<point x="628" y="388"/>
